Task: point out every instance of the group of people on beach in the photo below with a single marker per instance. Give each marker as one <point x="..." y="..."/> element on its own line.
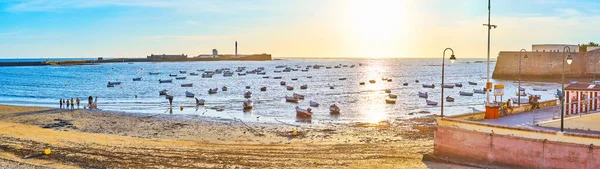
<point x="64" y="103"/>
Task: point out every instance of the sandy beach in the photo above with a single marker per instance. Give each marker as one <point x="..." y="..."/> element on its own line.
<point x="100" y="139"/>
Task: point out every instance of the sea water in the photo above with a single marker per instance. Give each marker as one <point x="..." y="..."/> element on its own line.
<point x="46" y="85"/>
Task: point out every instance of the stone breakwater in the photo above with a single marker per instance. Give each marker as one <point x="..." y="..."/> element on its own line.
<point x="545" y="64"/>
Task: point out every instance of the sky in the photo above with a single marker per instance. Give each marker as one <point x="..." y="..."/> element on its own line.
<point x="289" y="28"/>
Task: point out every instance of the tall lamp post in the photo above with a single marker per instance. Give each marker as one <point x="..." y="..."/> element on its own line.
<point x="452" y="59"/>
<point x="569" y="60"/>
<point x="519" y="89"/>
<point x="489" y="26"/>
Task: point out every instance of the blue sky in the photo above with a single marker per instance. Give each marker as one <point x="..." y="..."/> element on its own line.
<point x="287" y="28"/>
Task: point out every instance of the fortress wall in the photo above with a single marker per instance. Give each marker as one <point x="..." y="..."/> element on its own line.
<point x="539" y="64"/>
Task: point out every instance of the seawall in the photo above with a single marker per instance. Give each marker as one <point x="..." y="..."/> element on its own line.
<point x="544" y="64"/>
<point x="259" y="57"/>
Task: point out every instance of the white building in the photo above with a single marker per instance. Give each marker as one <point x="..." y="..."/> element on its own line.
<point x="553" y="47"/>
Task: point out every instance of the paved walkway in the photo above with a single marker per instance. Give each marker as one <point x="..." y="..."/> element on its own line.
<point x="549" y="119"/>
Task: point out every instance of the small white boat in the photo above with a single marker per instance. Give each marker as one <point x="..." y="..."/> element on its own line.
<point x="187" y="85"/>
<point x="291" y="99"/>
<point x="224" y="88"/>
<point x="298" y="96"/>
<point x="200" y="102"/>
<point x="431" y="103"/>
<point x="248" y="94"/>
<point x="388" y="91"/>
<point x="110" y="85"/>
<point x="334" y="109"/>
<point x="172" y="75"/>
<point x="428" y="86"/>
<point x="372" y="81"/>
<point x="189" y="94"/>
<point x="263" y="89"/>
<point x="480" y="91"/>
<point x="449" y="99"/>
<point x="163" y="92"/>
<point x="465" y="93"/>
<point x="165" y="81"/>
<point x="390" y="101"/>
<point x="137" y="79"/>
<point x="213" y="91"/>
<point x="393" y="96"/>
<point x="248" y="104"/>
<point x="180" y="78"/>
<point x="154" y="73"/>
<point x="450" y="86"/>
<point x="303" y="112"/>
<point x="423" y="94"/>
<point x="282" y="83"/>
<point x="207" y="75"/>
<point x="472" y="83"/>
<point x="523" y="100"/>
<point x="539" y="89"/>
<point x="304" y="87"/>
<point x="194" y="74"/>
<point x="313" y="104"/>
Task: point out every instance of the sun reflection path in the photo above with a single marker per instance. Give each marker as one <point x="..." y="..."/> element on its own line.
<point x="370" y="107"/>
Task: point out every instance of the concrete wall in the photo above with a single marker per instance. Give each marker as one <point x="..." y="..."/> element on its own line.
<point x="543" y="64"/>
<point x="505" y="150"/>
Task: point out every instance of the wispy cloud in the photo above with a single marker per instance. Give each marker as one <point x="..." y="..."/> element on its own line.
<point x="187" y="37"/>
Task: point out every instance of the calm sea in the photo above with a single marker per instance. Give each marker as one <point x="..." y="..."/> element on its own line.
<point x="45" y="85"/>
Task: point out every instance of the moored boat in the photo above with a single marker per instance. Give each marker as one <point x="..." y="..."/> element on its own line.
<point x="448" y="86"/>
<point x="334" y="109"/>
<point x="291" y="99"/>
<point x="189" y="94"/>
<point x="154" y="73"/>
<point x="173" y="75"/>
<point x="294" y="78"/>
<point x="539" y="89"/>
<point x="213" y="90"/>
<point x="114" y="83"/>
<point x="393" y="96"/>
<point x="163" y="92"/>
<point x="137" y="79"/>
<point x="361" y="83"/>
<point x="263" y="89"/>
<point x="200" y="102"/>
<point x="187" y="85"/>
<point x="180" y="78"/>
<point x="372" y="81"/>
<point x="480" y="91"/>
<point x="298" y="96"/>
<point x="165" y="81"/>
<point x="388" y="91"/>
<point x="277" y="77"/>
<point x="465" y="93"/>
<point x="313" y="104"/>
<point x="343" y="78"/>
<point x="472" y="83"/>
<point x="431" y="103"/>
<point x="458" y="84"/>
<point x="303" y="112"/>
<point x="429" y="86"/>
<point x="390" y="101"/>
<point x="290" y="88"/>
<point x="282" y="83"/>
<point x="194" y="74"/>
<point x="304" y="87"/>
<point x="224" y="88"/>
<point x="182" y="71"/>
<point x="423" y="94"/>
<point x="449" y="99"/>
<point x="248" y="104"/>
<point x="404" y="84"/>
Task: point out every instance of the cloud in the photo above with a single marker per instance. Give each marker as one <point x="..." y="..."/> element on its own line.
<point x="187" y="37"/>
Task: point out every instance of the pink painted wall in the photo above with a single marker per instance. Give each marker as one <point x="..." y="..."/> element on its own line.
<point x="498" y="150"/>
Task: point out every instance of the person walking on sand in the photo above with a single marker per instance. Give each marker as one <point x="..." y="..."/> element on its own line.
<point x="61" y="101"/>
<point x="72" y="104"/>
<point x="170" y="101"/>
<point x="90" y="100"/>
<point x="67" y="103"/>
<point x="77" y="101"/>
<point x="95" y="102"/>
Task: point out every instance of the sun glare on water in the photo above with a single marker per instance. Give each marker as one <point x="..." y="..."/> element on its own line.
<point x="377" y="26"/>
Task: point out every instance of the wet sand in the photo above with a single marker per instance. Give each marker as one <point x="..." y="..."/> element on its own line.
<point x="99" y="139"/>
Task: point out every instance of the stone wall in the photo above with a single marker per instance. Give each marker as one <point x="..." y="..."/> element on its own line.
<point x="541" y="65"/>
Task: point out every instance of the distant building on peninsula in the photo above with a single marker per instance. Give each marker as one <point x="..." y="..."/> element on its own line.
<point x="166" y="57"/>
<point x="546" y="61"/>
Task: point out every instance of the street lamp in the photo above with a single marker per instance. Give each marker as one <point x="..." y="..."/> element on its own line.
<point x="452" y="59"/>
<point x="519" y="89"/>
<point x="569" y="60"/>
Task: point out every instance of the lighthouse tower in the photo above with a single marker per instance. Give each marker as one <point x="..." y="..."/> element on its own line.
<point x="236" y="49"/>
